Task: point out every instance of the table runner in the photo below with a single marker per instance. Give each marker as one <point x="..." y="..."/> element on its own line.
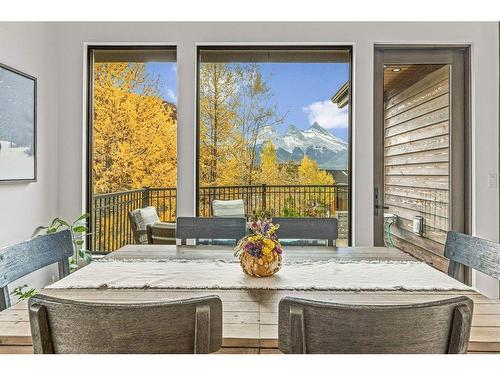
<point x="203" y="274"/>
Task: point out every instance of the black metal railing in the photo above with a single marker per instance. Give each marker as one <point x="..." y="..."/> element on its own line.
<point x="111" y="226"/>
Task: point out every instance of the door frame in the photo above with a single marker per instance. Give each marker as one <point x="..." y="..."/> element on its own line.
<point x="458" y="56"/>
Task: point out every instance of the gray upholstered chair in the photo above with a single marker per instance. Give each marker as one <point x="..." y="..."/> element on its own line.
<point x="228" y="208"/>
<point x="482" y="255"/>
<point x="323" y="327"/>
<point x="185" y="326"/>
<point x="210" y="228"/>
<point x="141" y="218"/>
<point x="23" y="258"/>
<point x="307" y="228"/>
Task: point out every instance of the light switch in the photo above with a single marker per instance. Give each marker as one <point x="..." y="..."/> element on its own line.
<point x="492" y="180"/>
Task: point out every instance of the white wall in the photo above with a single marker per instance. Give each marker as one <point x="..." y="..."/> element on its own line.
<point x="31" y="48"/>
<point x="482" y="36"/>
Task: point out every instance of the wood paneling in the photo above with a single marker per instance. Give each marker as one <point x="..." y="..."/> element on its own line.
<point x="416" y="165"/>
<point x="404" y="76"/>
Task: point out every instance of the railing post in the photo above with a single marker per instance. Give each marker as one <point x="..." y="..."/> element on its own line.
<point x="263" y="199"/>
<point x="145" y="196"/>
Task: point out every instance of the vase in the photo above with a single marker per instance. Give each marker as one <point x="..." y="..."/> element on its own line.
<point x="258" y="267"/>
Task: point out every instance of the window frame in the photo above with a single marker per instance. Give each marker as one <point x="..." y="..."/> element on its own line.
<point x="89" y="118"/>
<point x="312" y="47"/>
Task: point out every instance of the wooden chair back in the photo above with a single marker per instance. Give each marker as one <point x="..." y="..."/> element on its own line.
<point x="25" y="257"/>
<point x="185" y="326"/>
<point x="323" y="327"/>
<point x="161" y="233"/>
<point x="310" y="228"/>
<point x="482" y="255"/>
<point x="220" y="228"/>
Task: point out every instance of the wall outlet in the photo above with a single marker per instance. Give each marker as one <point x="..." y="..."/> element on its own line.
<point x="418" y="225"/>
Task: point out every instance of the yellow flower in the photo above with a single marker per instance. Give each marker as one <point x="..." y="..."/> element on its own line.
<point x="266" y="250"/>
<point x="269" y="243"/>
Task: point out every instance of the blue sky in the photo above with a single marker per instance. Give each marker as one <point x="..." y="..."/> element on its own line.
<point x="302" y="89"/>
<point x="167" y="71"/>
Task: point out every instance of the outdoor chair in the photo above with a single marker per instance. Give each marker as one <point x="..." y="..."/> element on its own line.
<point x="479" y="254"/>
<point x="210" y="228"/>
<point x="228" y="208"/>
<point x="25" y="257"/>
<point x="438" y="327"/>
<point x="303" y="230"/>
<point x="63" y="326"/>
<point x="161" y="232"/>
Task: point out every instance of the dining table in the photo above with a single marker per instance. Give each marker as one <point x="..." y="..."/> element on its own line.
<point x="351" y="275"/>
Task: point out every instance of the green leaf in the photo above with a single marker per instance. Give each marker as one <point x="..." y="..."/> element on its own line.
<point x="79" y="242"/>
<point x="84" y="216"/>
<point x="80" y="229"/>
<point x="62" y="222"/>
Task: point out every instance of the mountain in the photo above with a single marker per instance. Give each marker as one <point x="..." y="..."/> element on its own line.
<point x="316" y="142"/>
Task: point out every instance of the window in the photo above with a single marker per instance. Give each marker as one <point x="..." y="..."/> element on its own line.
<point x="274" y="130"/>
<point x="132" y="139"/>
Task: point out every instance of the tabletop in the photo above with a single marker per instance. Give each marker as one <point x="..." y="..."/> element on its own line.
<point x="250" y="316"/>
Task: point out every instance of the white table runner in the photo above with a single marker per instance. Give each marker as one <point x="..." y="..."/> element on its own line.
<point x="202" y="274"/>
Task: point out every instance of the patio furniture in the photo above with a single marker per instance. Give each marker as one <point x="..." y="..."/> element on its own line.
<point x="210" y="228"/>
<point x="161" y="233"/>
<point x="251" y="315"/>
<point x="439" y="327"/>
<point x="310" y="228"/>
<point x="228" y="208"/>
<point x="62" y="326"/>
<point x="23" y="258"/>
<point x="141" y="218"/>
<point x="479" y="254"/>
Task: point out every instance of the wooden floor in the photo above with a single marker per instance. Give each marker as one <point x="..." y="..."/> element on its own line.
<point x="250" y="316"/>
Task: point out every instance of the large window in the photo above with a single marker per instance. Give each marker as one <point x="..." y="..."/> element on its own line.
<point x="274" y="130"/>
<point x="132" y="139"/>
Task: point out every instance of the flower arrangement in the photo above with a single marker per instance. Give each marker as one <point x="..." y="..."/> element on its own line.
<point x="260" y="252"/>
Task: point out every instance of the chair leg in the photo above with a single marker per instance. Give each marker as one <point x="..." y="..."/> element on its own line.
<point x="63" y="267"/>
<point x="202" y="330"/>
<point x="4" y="298"/>
<point x="460" y="330"/>
<point x="297" y="331"/>
<point x="40" y="333"/>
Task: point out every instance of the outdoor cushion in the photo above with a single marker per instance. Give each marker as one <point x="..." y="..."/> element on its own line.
<point x="143" y="217"/>
<point x="228" y="208"/>
<point x="162" y="232"/>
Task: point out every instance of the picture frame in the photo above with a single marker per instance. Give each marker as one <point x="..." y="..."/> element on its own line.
<point x="18" y="126"/>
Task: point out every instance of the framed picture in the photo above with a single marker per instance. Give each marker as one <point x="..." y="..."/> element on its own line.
<point x="17" y="125"/>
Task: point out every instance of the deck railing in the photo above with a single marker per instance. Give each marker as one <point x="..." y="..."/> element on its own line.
<point x="111" y="227"/>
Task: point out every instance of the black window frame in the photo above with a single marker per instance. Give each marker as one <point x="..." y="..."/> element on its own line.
<point x="347" y="48"/>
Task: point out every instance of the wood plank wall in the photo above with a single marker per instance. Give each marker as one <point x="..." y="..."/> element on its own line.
<point x="416" y="163"/>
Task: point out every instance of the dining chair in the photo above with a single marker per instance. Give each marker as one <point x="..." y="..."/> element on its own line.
<point x="310" y="228"/>
<point x="210" y="228"/>
<point x="306" y="326"/>
<point x="62" y="326"/>
<point x="463" y="249"/>
<point x="25" y="257"/>
<point x="228" y="208"/>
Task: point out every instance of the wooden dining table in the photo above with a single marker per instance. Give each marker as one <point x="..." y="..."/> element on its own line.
<point x="250" y="319"/>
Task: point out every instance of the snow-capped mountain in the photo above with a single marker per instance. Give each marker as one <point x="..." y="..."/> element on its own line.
<point x="316" y="142"/>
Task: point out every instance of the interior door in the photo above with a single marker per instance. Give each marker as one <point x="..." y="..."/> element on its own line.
<point x="421" y="187"/>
